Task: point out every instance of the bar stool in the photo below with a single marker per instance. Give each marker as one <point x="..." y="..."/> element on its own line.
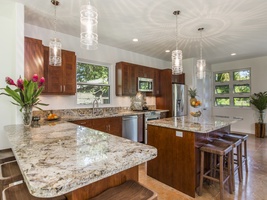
<point x="130" y="190"/>
<point x="9" y="173"/>
<point x="244" y="154"/>
<point x="223" y="150"/>
<point x="19" y="191"/>
<point x="6" y="155"/>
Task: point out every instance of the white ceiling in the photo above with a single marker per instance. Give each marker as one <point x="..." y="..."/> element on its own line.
<point x="230" y="26"/>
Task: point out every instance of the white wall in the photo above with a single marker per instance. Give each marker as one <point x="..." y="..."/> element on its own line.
<point x="11" y="59"/>
<point x="258" y="84"/>
<point x="104" y="54"/>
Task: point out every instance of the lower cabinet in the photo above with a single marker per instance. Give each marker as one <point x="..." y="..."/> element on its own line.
<point x="112" y="125"/>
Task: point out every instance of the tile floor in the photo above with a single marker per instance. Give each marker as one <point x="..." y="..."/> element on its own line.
<point x="253" y="186"/>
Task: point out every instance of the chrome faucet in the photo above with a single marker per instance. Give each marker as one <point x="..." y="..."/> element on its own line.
<point x="95" y="105"/>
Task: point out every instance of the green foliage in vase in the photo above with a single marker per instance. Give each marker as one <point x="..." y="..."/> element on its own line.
<point x="259" y="100"/>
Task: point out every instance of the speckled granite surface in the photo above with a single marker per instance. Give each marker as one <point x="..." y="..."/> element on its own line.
<point x="188" y="123"/>
<point x="57" y="159"/>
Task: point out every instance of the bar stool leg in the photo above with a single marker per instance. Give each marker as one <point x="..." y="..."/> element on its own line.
<point x="221" y="177"/>
<point x="232" y="175"/>
<point x="239" y="163"/>
<point x="230" y="180"/>
<point x="246" y="156"/>
<point x="201" y="173"/>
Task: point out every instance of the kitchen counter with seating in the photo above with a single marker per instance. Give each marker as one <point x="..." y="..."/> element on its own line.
<point x="178" y="140"/>
<point x="76" y="161"/>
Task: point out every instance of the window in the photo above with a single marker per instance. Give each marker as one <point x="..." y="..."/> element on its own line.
<point x="232" y="88"/>
<point x="92" y="83"/>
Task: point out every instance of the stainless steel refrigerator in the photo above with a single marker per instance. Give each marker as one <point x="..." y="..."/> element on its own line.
<point x="179" y="100"/>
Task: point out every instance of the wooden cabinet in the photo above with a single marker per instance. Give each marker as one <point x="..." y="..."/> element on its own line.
<point x="127" y="76"/>
<point x="164" y="100"/>
<point x="112" y="125"/>
<point x="60" y="79"/>
<point x="33" y="58"/>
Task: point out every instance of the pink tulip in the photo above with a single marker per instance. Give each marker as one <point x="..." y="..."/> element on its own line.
<point x="35" y="78"/>
<point x="10" y="81"/>
<point x="42" y="81"/>
<point x="20" y="83"/>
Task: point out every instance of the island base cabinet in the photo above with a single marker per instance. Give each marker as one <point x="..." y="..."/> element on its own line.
<point x="98" y="187"/>
<point x="175" y="164"/>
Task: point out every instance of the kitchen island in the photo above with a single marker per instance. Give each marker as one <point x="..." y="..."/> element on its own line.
<point x="177" y="140"/>
<point x="76" y="161"/>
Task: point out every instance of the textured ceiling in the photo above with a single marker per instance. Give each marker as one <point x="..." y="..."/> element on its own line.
<point x="230" y="26"/>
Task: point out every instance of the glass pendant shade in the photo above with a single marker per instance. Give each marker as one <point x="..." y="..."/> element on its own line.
<point x="201" y="63"/>
<point x="177" y="57"/>
<point x="88" y="19"/>
<point x="201" y="68"/>
<point x="55" y="52"/>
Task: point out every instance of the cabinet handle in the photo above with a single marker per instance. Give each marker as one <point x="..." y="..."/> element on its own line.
<point x="64" y="88"/>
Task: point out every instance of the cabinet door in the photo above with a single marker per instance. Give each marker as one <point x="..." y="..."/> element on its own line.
<point x="180" y="79"/>
<point x="86" y="123"/>
<point x="69" y="72"/>
<point x="115" y="126"/>
<point x="100" y="124"/>
<point x="33" y="58"/>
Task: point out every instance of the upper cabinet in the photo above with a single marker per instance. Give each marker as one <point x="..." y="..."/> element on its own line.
<point x="60" y="79"/>
<point x="127" y="75"/>
<point x="33" y="58"/>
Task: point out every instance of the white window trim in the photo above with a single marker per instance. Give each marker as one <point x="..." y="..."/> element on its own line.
<point x="231" y="83"/>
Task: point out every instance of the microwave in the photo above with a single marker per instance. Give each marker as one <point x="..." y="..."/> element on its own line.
<point x="145" y="84"/>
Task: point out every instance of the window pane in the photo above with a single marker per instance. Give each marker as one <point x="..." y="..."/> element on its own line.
<point x="242" y="75"/>
<point x="87" y="93"/>
<point x="93" y="74"/>
<point x="222" y="89"/>
<point x="244" y="88"/>
<point x="222" y="101"/>
<point x="241" y="101"/>
<point x="222" y="77"/>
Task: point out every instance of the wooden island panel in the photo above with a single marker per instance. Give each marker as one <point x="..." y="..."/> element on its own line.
<point x="175" y="163"/>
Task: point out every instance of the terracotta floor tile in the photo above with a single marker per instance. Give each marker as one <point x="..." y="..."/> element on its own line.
<point x="253" y="186"/>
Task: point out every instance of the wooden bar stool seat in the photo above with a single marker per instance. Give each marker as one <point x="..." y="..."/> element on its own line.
<point x="9" y="173"/>
<point x="223" y="150"/>
<point x="19" y="191"/>
<point x="6" y="155"/>
<point x="130" y="190"/>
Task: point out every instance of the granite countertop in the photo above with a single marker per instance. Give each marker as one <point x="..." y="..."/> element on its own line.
<point x="75" y="117"/>
<point x="188" y="123"/>
<point x="58" y="159"/>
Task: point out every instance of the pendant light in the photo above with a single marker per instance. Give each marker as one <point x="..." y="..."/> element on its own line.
<point x="88" y="19"/>
<point x="177" y="56"/>
<point x="54" y="43"/>
<point x="201" y="63"/>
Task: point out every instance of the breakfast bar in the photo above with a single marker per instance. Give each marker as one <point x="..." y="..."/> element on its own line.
<point x="76" y="161"/>
<point x="177" y="138"/>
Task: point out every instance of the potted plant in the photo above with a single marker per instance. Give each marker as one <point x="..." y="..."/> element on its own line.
<point x="259" y="100"/>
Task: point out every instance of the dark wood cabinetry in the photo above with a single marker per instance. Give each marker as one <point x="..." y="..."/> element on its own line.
<point x="112" y="125"/>
<point x="164" y="100"/>
<point x="33" y="58"/>
<point x="60" y="79"/>
<point x="127" y="76"/>
<point x="140" y="128"/>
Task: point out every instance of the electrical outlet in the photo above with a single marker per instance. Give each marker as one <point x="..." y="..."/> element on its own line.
<point x="179" y="134"/>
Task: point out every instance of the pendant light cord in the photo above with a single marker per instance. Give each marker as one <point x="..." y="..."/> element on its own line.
<point x="200" y="30"/>
<point x="176" y="31"/>
<point x="55" y="20"/>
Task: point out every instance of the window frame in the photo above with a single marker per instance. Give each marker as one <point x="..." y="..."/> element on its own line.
<point x="101" y="84"/>
<point x="231" y="84"/>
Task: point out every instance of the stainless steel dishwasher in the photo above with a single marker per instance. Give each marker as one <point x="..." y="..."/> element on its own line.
<point x="129" y="127"/>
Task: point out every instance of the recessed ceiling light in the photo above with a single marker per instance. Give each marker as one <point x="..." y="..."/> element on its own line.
<point x="135" y="40"/>
<point x="167" y="51"/>
<point x="233" y="54"/>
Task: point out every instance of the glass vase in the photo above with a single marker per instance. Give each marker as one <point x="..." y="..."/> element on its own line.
<point x="27" y="115"/>
<point x="261" y="116"/>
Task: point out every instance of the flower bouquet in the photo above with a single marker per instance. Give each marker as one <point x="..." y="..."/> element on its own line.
<point x="26" y="95"/>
